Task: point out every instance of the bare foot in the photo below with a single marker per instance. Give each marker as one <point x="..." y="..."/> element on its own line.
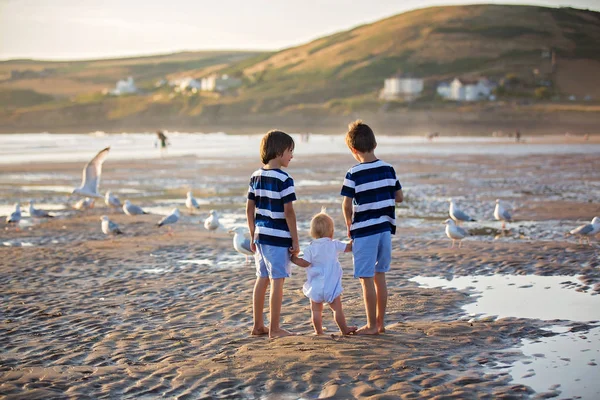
<point x="350" y="330"/>
<point x="260" y="331"/>
<point x="381" y="329"/>
<point x="365" y="330"/>
<point x="280" y="333"/>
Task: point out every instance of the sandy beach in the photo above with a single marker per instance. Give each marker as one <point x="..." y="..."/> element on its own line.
<point x="153" y="316"/>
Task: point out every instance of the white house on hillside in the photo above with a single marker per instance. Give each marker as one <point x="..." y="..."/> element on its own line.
<point x="189" y="83"/>
<point x="402" y="86"/>
<point x="443" y="89"/>
<point x="466" y="90"/>
<point x="215" y="83"/>
<point x="124" y="87"/>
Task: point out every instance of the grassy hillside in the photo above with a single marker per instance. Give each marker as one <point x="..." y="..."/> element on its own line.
<point x="336" y="75"/>
<point x="67" y="79"/>
<point x="434" y="43"/>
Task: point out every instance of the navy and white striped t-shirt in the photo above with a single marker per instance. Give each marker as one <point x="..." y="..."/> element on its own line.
<point x="271" y="189"/>
<point x="372" y="186"/>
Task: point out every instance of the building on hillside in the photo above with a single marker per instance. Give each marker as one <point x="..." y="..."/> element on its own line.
<point x="189" y="84"/>
<point x="124" y="86"/>
<point x="402" y="87"/>
<point x="461" y="89"/>
<point x="443" y="90"/>
<point x="221" y="83"/>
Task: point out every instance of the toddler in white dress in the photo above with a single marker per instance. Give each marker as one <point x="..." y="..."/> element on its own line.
<point x="324" y="273"/>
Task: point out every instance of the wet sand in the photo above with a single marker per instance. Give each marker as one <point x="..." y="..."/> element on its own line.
<point x="149" y="315"/>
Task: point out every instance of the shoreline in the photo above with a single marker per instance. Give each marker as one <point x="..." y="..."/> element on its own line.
<point x="476" y="120"/>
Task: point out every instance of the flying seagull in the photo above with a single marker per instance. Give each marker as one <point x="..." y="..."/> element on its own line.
<point x="91" y="176"/>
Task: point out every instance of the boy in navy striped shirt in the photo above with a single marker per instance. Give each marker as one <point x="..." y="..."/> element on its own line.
<point x="272" y="224"/>
<point x="371" y="191"/>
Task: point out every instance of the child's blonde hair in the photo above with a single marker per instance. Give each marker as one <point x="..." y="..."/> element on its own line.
<point x="321" y="225"/>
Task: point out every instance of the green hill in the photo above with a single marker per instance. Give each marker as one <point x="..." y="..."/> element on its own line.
<point x="336" y="75"/>
<point x="434" y="43"/>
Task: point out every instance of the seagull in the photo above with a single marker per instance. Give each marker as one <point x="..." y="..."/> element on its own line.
<point x="169" y="219"/>
<point x="84" y="204"/>
<point x="501" y="214"/>
<point x="112" y="201"/>
<point x="91" y="176"/>
<point x="35" y="213"/>
<point x="132" y="209"/>
<point x="15" y="217"/>
<point x="212" y="222"/>
<point x="455" y="232"/>
<point x="457" y="215"/>
<point x="190" y="202"/>
<point x="109" y="228"/>
<point x="241" y="241"/>
<point x="586" y="231"/>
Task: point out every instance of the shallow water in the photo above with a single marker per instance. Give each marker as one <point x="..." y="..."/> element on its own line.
<point x="566" y="363"/>
<point x="44" y="147"/>
<point x="522" y="296"/>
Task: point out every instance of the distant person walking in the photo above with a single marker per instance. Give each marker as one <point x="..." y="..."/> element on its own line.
<point x="517" y="136"/>
<point x="162" y="141"/>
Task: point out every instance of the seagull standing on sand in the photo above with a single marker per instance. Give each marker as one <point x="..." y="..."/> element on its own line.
<point x="110" y="228"/>
<point x="112" y="200"/>
<point x="84" y="204"/>
<point x="455" y="232"/>
<point x="501" y="214"/>
<point x="91" y="176"/>
<point x="35" y="213"/>
<point x="586" y="231"/>
<point x="132" y="209"/>
<point x="191" y="203"/>
<point x="212" y="222"/>
<point x="457" y="215"/>
<point x="241" y="241"/>
<point x="15" y="216"/>
<point x="169" y="219"/>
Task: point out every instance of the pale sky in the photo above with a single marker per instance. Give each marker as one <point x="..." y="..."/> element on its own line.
<point x="84" y="29"/>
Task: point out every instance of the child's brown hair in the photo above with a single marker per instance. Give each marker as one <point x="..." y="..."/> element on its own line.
<point x="360" y="137"/>
<point x="273" y="144"/>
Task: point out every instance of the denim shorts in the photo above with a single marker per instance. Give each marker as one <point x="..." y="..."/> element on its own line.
<point x="372" y="254"/>
<point x="272" y="261"/>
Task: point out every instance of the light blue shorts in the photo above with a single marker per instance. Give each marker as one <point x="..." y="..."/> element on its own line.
<point x="272" y="261"/>
<point x="372" y="254"/>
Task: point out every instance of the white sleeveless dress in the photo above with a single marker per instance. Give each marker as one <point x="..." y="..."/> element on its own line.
<point x="324" y="275"/>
